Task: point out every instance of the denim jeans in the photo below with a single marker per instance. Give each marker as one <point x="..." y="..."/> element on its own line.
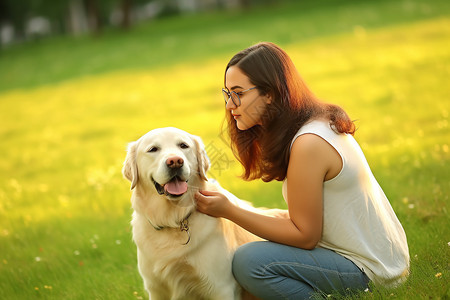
<point x="274" y="271"/>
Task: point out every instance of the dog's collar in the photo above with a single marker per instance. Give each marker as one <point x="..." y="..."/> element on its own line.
<point x="184" y="226"/>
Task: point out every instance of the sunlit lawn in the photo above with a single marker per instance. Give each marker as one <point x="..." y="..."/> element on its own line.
<point x="64" y="207"/>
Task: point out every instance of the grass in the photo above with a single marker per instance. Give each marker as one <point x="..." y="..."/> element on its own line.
<point x="68" y="107"/>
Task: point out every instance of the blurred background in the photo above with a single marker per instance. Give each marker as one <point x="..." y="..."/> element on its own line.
<point x="35" y="19"/>
<point x="80" y="79"/>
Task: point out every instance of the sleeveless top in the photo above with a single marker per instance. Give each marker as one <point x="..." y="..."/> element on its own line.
<point x="358" y="220"/>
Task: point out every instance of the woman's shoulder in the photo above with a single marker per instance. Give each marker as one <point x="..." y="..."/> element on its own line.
<point x="314" y="152"/>
<point x="310" y="145"/>
<point x="319" y="127"/>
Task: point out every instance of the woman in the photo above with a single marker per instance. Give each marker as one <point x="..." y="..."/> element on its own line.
<point x="340" y="231"/>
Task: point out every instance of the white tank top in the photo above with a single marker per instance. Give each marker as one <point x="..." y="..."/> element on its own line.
<point x="358" y="220"/>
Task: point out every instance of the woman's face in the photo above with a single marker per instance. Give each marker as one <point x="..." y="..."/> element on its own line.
<point x="253" y="105"/>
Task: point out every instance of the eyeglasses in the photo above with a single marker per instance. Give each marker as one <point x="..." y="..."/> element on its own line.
<point x="234" y="96"/>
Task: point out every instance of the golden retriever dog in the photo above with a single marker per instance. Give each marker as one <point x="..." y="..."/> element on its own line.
<point x="182" y="253"/>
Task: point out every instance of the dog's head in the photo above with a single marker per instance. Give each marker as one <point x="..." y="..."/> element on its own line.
<point x="168" y="160"/>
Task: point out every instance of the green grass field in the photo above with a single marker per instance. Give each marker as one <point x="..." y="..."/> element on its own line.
<point x="68" y="108"/>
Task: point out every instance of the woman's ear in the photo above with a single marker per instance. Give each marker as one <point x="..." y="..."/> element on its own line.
<point x="129" y="169"/>
<point x="269" y="98"/>
<point x="202" y="158"/>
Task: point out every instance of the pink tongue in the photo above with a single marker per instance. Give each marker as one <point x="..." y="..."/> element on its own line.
<point x="176" y="187"/>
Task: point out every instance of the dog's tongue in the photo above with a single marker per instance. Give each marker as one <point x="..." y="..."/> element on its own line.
<point x="176" y="187"/>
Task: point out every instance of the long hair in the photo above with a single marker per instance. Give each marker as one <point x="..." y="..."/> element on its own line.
<point x="263" y="150"/>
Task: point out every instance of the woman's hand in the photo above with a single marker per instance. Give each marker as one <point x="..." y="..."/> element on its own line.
<point x="214" y="204"/>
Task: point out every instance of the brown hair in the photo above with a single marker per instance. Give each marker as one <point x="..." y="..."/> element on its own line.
<point x="263" y="150"/>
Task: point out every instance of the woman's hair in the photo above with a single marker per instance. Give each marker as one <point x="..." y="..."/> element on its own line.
<point x="263" y="150"/>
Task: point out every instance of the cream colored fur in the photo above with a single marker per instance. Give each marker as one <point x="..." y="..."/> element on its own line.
<point x="201" y="269"/>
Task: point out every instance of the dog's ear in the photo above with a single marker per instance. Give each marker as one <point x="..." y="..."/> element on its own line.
<point x="129" y="169"/>
<point x="202" y="158"/>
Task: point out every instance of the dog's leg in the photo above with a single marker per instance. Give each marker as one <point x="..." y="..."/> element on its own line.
<point x="158" y="294"/>
<point x="157" y="291"/>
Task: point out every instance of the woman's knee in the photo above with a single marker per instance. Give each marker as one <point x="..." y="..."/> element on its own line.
<point x="247" y="261"/>
<point x="255" y="269"/>
<point x="241" y="259"/>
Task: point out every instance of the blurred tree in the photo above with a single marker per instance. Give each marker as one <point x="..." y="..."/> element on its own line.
<point x="245" y="3"/>
<point x="126" y="6"/>
<point x="93" y="15"/>
<point x="98" y="13"/>
<point x="76" y="20"/>
<point x="12" y="12"/>
<point x="19" y="13"/>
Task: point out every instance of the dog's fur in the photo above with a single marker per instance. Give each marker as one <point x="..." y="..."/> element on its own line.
<point x="170" y="267"/>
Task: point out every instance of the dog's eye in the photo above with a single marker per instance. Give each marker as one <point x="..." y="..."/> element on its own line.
<point x="184" y="146"/>
<point x="153" y="149"/>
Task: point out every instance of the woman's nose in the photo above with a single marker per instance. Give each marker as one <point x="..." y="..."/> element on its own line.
<point x="230" y="104"/>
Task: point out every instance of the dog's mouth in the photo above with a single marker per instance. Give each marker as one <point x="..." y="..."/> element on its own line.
<point x="176" y="187"/>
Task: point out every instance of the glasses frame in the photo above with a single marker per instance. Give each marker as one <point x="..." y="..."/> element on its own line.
<point x="227" y="95"/>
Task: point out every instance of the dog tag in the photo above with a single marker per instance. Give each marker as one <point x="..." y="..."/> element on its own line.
<point x="184" y="226"/>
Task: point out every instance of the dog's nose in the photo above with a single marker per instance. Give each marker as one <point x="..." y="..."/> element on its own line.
<point x="174" y="162"/>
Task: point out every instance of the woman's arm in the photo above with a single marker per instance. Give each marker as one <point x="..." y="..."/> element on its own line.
<point x="311" y="160"/>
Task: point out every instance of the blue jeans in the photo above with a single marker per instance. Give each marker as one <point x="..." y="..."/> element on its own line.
<point x="274" y="271"/>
